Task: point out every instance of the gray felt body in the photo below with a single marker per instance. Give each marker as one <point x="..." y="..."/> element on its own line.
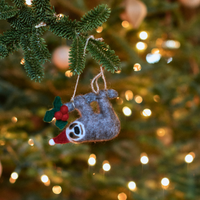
<point x="101" y="126"/>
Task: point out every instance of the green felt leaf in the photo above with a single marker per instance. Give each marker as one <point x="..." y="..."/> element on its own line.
<point x="61" y="124"/>
<point x="57" y="103"/>
<point x="49" y="115"/>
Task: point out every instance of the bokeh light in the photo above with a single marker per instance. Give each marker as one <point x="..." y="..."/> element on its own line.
<point x="127" y="111"/>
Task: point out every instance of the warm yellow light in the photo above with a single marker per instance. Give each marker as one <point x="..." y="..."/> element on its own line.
<point x="155" y="51"/>
<point x="44" y="178"/>
<point x="99" y="29"/>
<point x="119" y="101"/>
<point x="165" y="182"/>
<point x="138" y="99"/>
<point x="22" y="62"/>
<point x="29" y="2"/>
<point x="161" y="132"/>
<point x="127" y="111"/>
<point x="141" y="46"/>
<point x="12" y="180"/>
<point x="118" y="72"/>
<point x="31" y="142"/>
<point x="92" y="160"/>
<point x="125" y="24"/>
<point x="144" y="159"/>
<point x="143" y="35"/>
<point x="14" y="119"/>
<point x="122" y="196"/>
<point x="2" y="142"/>
<point x="137" y="67"/>
<point x="156" y="98"/>
<point x="189" y="158"/>
<point x="129" y="95"/>
<point x="57" y="189"/>
<point x="132" y="185"/>
<point x="68" y="73"/>
<point x="171" y="44"/>
<point x="146" y="112"/>
<point x="106" y="166"/>
<point x="14" y="175"/>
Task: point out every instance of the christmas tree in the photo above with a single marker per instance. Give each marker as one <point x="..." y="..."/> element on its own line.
<point x="155" y="155"/>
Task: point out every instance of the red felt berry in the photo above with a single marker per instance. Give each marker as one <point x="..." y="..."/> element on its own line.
<point x="64" y="109"/>
<point x="65" y="117"/>
<point x="58" y="115"/>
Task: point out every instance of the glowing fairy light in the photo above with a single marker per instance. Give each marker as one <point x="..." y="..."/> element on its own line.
<point x="119" y="101"/>
<point x="137" y="67"/>
<point x="122" y="196"/>
<point x="161" y="132"/>
<point x="28" y="2"/>
<point x="106" y="166"/>
<point x="132" y="185"/>
<point x="153" y="58"/>
<point x="118" y="72"/>
<point x="155" y="51"/>
<point x="138" y="99"/>
<point x="11" y="180"/>
<point x="146" y="112"/>
<point x="143" y="35"/>
<point x="31" y="142"/>
<point x="165" y="182"/>
<point x="99" y="29"/>
<point x="127" y="111"/>
<point x="125" y="24"/>
<point x="68" y="73"/>
<point x="141" y="46"/>
<point x="156" y="98"/>
<point x="189" y="158"/>
<point x="44" y="178"/>
<point x="22" y="62"/>
<point x="92" y="160"/>
<point x="169" y="60"/>
<point x="144" y="159"/>
<point x="171" y="44"/>
<point x="57" y="189"/>
<point x="14" y="119"/>
<point x="14" y="175"/>
<point x="129" y="95"/>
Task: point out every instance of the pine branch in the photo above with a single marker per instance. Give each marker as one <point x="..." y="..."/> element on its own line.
<point x="77" y="57"/>
<point x="7" y="11"/>
<point x="64" y="28"/>
<point x="102" y="53"/>
<point x="94" y="18"/>
<point x="19" y="3"/>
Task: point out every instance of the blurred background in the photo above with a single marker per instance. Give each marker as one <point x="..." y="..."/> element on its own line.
<point x="156" y="155"/>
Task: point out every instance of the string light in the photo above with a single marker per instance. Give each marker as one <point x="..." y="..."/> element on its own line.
<point x="132" y="185"/>
<point x="153" y="58"/>
<point x="14" y="175"/>
<point x="189" y="158"/>
<point x="106" y="166"/>
<point x="99" y="29"/>
<point x="44" y="178"/>
<point x="146" y="112"/>
<point x="169" y="60"/>
<point x="138" y="99"/>
<point x="143" y="35"/>
<point x="57" y="189"/>
<point x="119" y="101"/>
<point x="28" y="2"/>
<point x="165" y="182"/>
<point x="156" y="98"/>
<point x="129" y="95"/>
<point x="31" y="142"/>
<point x="68" y="73"/>
<point x="118" y="72"/>
<point x="14" y="119"/>
<point x="137" y="67"/>
<point x="22" y="62"/>
<point x="155" y="51"/>
<point x="125" y="24"/>
<point x="127" y="111"/>
<point x="92" y="160"/>
<point x="11" y="180"/>
<point x="141" y="46"/>
<point x="171" y="44"/>
<point x="122" y="196"/>
<point x="161" y="132"/>
<point x="144" y="159"/>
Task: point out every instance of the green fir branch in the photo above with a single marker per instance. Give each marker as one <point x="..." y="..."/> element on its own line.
<point x="94" y="18"/>
<point x="102" y="53"/>
<point x="64" y="27"/>
<point x="7" y="11"/>
<point x="19" y="3"/>
<point x="77" y="57"/>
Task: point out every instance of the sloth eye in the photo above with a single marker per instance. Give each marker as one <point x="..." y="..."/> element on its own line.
<point x="72" y="125"/>
<point x="71" y="135"/>
<point x="77" y="130"/>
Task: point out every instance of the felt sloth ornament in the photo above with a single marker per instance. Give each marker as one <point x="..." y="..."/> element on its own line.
<point x="91" y="126"/>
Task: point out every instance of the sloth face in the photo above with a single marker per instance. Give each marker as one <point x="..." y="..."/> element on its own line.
<point x="75" y="131"/>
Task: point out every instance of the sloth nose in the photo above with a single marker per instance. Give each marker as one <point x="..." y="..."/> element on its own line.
<point x="77" y="130"/>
